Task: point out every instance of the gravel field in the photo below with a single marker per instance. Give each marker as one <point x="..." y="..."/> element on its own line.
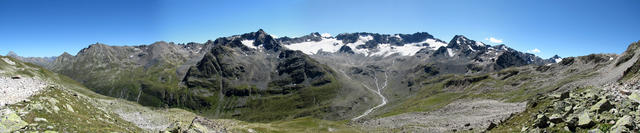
<point x="16" y="90"/>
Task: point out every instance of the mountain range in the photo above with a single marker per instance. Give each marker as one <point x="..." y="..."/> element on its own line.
<point x="356" y="82"/>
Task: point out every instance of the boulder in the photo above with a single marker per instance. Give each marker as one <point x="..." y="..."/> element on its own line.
<point x="624" y="124"/>
<point x="10" y="121"/>
<point x="556" y="118"/>
<point x="541" y="121"/>
<point x="602" y="106"/>
<point x="584" y="121"/>
<point x="594" y="131"/>
<point x="564" y="95"/>
<point x="591" y="96"/>
<point x="491" y="126"/>
<point x="635" y="97"/>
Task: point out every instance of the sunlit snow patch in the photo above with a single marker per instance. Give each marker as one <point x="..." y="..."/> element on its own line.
<point x="450" y="51"/>
<point x="248" y="43"/>
<point x="312" y="47"/>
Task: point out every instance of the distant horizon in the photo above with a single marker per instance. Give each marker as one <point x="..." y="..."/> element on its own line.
<point x="488" y="42"/>
<point x="42" y="28"/>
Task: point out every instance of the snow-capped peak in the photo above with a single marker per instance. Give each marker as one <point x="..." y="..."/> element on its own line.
<point x="325" y="35"/>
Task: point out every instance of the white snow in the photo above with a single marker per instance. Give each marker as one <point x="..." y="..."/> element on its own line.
<point x="361" y="40"/>
<point x="433" y="44"/>
<point x="332" y="45"/>
<point x="365" y="39"/>
<point x="7" y="60"/>
<point x="311" y="47"/>
<point x="504" y="48"/>
<point x="478" y="43"/>
<point x="248" y="43"/>
<point x="406" y="50"/>
<point x="397" y="36"/>
<point x="558" y="60"/>
<point x="450" y="51"/>
<point x="471" y="48"/>
<point x="325" y="35"/>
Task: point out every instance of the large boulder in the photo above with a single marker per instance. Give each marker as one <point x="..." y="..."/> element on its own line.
<point x="585" y="122"/>
<point x="556" y="118"/>
<point x="635" y="97"/>
<point x="542" y="121"/>
<point x="10" y="121"/>
<point x="602" y="106"/>
<point x="624" y="124"/>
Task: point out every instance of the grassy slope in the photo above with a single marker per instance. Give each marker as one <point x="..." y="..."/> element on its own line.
<point x="92" y="114"/>
<point x="435" y="95"/>
<point x="63" y="109"/>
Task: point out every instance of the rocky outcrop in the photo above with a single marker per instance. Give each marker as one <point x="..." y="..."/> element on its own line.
<point x="10" y="121"/>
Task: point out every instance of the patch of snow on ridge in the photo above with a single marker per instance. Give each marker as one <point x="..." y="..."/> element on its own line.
<point x="479" y="43"/>
<point x="450" y="51"/>
<point x="397" y="36"/>
<point x="433" y="44"/>
<point x="364" y="39"/>
<point x="325" y="35"/>
<point x="405" y="50"/>
<point x="248" y="43"/>
<point x="361" y="40"/>
<point x="311" y="47"/>
<point x="8" y="61"/>
<point x="558" y="60"/>
<point x="471" y="48"/>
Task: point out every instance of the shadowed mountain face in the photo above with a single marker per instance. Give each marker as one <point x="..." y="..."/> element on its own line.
<point x="252" y="77"/>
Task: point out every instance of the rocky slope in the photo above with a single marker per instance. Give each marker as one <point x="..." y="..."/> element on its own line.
<point x="608" y="102"/>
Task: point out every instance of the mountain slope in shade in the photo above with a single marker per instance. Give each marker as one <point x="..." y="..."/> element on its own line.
<point x="263" y="81"/>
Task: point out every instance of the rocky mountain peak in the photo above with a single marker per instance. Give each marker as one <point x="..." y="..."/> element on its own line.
<point x="65" y="54"/>
<point x="555" y="59"/>
<point x="460" y="42"/>
<point x="12" y="54"/>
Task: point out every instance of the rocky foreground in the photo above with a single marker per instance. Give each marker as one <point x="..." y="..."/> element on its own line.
<point x="613" y="108"/>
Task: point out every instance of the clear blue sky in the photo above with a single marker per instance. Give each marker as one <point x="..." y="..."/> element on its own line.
<point x="563" y="27"/>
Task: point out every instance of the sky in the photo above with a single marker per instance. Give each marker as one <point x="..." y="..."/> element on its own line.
<point x="542" y="27"/>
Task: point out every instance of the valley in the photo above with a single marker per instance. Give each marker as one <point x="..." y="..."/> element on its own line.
<point x="352" y="82"/>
